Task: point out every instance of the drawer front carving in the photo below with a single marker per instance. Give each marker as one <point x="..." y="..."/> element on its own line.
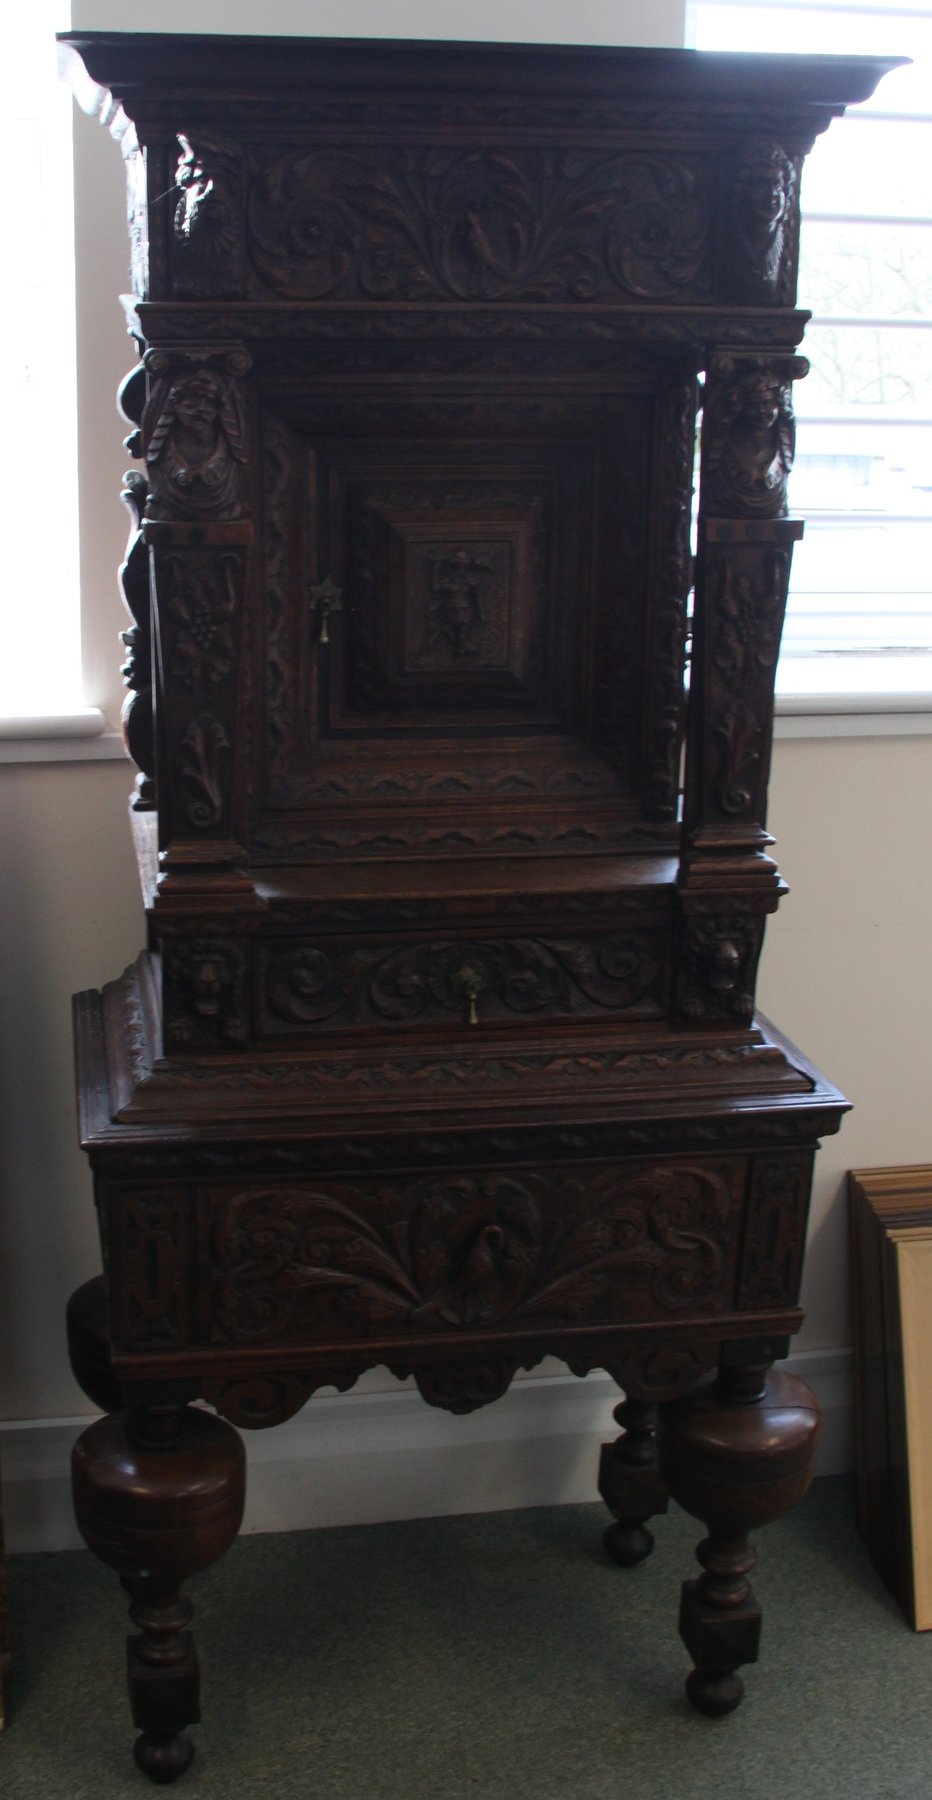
<point x="476" y="981"/>
<point x="532" y="1250"/>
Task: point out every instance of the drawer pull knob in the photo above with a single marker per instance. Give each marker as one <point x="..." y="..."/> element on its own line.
<point x="326" y="598"/>
<point x="470" y="981"/>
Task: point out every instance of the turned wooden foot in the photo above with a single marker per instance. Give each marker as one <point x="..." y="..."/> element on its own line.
<point x="630" y="1483"/>
<point x="736" y="1453"/>
<point x="158" y="1495"/>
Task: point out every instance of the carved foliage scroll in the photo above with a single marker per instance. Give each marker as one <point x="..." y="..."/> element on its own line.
<point x="478" y="224"/>
<point x="469" y="1252"/>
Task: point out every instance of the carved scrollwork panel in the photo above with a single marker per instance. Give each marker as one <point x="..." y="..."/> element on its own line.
<point x="349" y="984"/>
<point x="473" y="1252"/>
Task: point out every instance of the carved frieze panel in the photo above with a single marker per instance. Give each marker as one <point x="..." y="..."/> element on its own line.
<point x="475" y="224"/>
<point x="472" y="981"/>
<point x="547" y="1249"/>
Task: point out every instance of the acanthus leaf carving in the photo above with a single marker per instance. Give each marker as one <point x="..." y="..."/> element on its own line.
<point x="481" y="225"/>
<point x="204" y="751"/>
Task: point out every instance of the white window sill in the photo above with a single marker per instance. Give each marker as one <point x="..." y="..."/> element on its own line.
<point x="854" y="696"/>
<point x="818" y="697"/>
<point x="75" y="736"/>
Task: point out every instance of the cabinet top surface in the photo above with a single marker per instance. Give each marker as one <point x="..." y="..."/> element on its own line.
<point x="139" y="61"/>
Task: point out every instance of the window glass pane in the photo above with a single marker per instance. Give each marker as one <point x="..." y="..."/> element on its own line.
<point x="864" y="468"/>
<point x="860" y="366"/>
<point x="871" y="166"/>
<point x="863" y="587"/>
<point x="866" y="270"/>
<point x="39" y="619"/>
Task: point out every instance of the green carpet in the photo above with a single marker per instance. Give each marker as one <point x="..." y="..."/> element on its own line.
<point x="500" y="1657"/>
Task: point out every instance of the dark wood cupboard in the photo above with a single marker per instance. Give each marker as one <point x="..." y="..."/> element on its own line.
<point x="442" y="1052"/>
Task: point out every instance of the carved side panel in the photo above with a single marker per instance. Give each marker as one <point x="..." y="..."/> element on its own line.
<point x="744" y="591"/>
<point x="149" y="1251"/>
<point x="547" y="1250"/>
<point x="199" y="598"/>
<point x="775" y="1231"/>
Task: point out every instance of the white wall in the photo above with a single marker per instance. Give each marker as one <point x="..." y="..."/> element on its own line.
<point x="846" y="971"/>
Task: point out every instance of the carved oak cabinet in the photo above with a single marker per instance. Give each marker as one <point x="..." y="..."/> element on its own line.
<point x="442" y="1052"/>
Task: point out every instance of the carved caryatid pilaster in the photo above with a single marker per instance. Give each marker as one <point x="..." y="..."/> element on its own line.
<point x="193" y="441"/>
<point x="763" y="186"/>
<point x="745" y="543"/>
<point x="748" y="435"/>
<point x="194" y="434"/>
<point x="207" y="225"/>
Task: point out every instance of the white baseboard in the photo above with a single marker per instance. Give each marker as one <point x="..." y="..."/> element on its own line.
<point x="379" y="1453"/>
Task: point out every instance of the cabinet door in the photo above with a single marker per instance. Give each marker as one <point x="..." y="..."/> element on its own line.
<point x="470" y="614"/>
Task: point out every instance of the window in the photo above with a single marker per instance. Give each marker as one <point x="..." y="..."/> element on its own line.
<point x="40" y="646"/>
<point x="860" y="612"/>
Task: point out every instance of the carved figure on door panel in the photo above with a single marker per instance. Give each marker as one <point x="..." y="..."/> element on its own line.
<point x="456" y="605"/>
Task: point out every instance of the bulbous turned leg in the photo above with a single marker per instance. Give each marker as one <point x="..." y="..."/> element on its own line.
<point x="158" y="1495"/>
<point x="89" y="1344"/>
<point x="736" y="1453"/>
<point x="630" y="1483"/>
